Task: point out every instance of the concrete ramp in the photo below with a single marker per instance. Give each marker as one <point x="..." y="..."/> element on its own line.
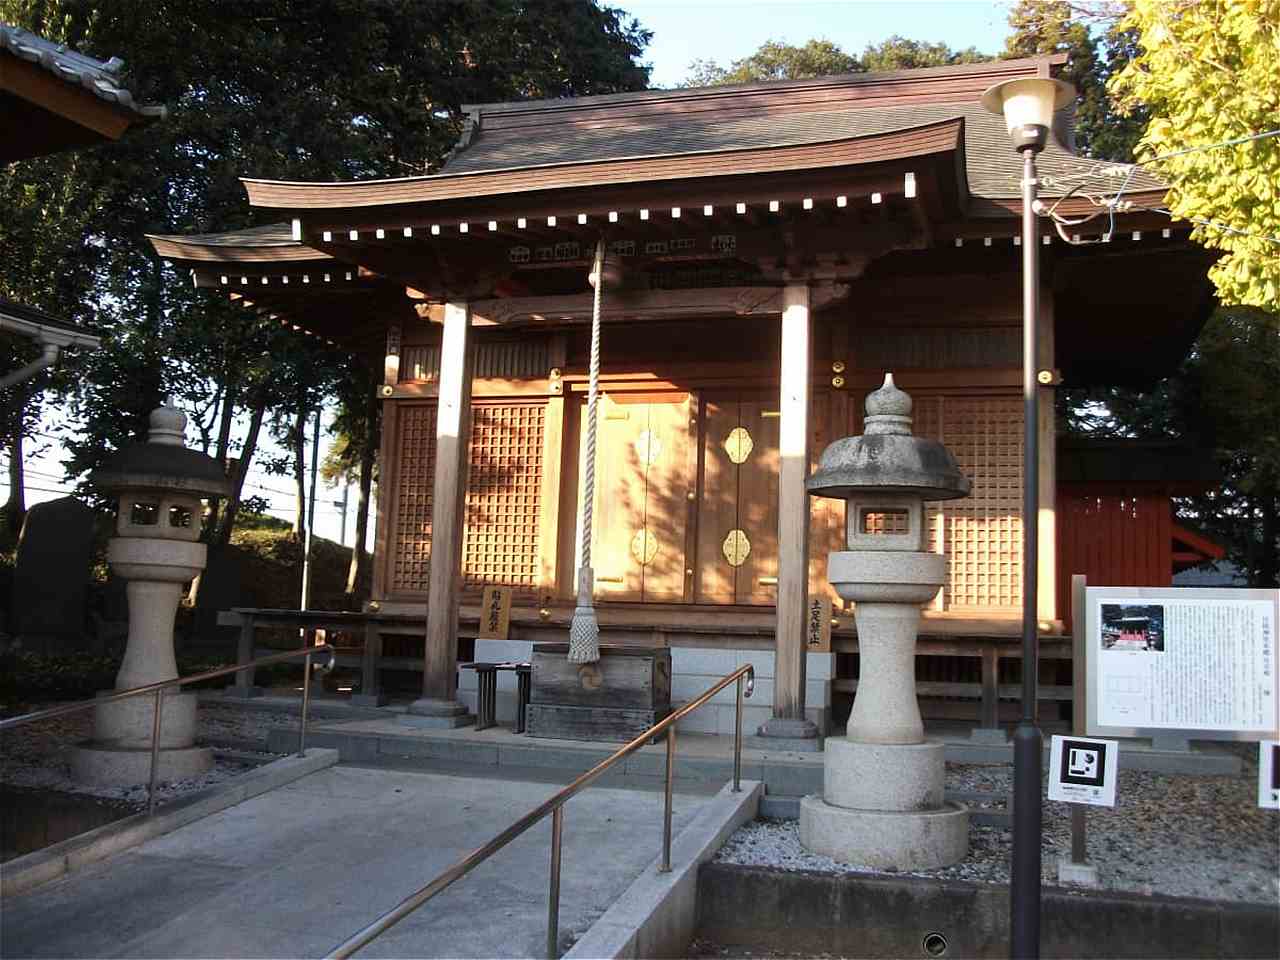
<point x="293" y="872"/>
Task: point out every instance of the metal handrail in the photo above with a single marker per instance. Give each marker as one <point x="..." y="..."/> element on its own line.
<point x="555" y="807"/>
<point x="159" y="687"/>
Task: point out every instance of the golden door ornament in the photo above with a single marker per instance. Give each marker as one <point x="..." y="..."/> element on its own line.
<point x="736" y="548"/>
<point x="648" y="448"/>
<point x="644" y="546"/>
<point x="738" y="444"/>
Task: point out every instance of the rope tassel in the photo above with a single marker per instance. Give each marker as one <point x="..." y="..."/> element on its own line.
<point x="584" y="631"/>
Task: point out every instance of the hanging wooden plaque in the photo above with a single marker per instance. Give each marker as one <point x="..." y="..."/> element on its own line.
<point x="818" y="625"/>
<point x="495" y="613"/>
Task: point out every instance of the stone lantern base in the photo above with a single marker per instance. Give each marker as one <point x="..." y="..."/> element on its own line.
<point x="120" y="752"/>
<point x="106" y="766"/>
<point x="882" y="806"/>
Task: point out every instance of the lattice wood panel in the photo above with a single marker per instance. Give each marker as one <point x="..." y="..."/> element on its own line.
<point x="500" y="540"/>
<point x="503" y="496"/>
<point x="411" y="520"/>
<point x="981" y="533"/>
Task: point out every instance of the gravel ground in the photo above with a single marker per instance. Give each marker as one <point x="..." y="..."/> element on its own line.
<point x="34" y="756"/>
<point x="1180" y="836"/>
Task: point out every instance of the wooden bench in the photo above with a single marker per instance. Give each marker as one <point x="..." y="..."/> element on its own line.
<point x="368" y="656"/>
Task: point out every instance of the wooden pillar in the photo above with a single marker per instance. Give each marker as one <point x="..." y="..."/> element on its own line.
<point x="453" y="432"/>
<point x="788" y="719"/>
<point x="1047" y="493"/>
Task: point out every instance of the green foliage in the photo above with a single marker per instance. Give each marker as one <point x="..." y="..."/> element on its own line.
<point x="290" y="89"/>
<point x="899" y="53"/>
<point x="1041" y="28"/>
<point x="1208" y="71"/>
<point x="822" y="58"/>
<point x="776" y="61"/>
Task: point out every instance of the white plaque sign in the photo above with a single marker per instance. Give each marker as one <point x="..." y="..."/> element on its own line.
<point x="1083" y="770"/>
<point x="1269" y="774"/>
<point x="1199" y="662"/>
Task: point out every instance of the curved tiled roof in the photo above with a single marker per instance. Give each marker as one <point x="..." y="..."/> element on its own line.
<point x="994" y="170"/>
<point x="97" y="76"/>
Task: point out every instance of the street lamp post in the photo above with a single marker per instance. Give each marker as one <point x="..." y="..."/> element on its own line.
<point x="1028" y="106"/>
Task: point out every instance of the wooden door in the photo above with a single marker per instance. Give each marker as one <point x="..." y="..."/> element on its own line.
<point x="645" y="469"/>
<point x="737" y="552"/>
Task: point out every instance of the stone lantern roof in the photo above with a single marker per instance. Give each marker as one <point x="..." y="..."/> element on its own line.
<point x="163" y="463"/>
<point x="887" y="458"/>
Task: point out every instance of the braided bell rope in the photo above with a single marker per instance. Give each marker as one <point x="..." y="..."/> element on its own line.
<point x="584" y="631"/>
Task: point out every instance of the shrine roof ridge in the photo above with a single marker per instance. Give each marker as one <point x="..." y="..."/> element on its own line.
<point x="1043" y="64"/>
<point x="99" y="77"/>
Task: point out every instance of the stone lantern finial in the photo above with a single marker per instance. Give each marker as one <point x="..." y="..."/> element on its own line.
<point x="888" y="410"/>
<point x="168" y="426"/>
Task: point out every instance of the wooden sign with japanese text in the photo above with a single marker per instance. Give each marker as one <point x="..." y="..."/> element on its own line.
<point x="495" y="613"/>
<point x="817" y="629"/>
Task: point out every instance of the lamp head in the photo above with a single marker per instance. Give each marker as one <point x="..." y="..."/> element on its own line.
<point x="1027" y="105"/>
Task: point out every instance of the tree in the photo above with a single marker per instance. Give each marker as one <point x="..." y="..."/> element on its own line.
<point x="822" y="58"/>
<point x="293" y="89"/>
<point x="776" y="61"/>
<point x="1040" y="28"/>
<point x="899" y="53"/>
<point x="1208" y="72"/>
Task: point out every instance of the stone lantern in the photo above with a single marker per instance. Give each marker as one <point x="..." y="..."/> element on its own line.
<point x="882" y="803"/>
<point x="158" y="485"/>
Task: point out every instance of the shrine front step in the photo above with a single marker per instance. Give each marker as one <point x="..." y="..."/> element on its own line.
<point x="556" y="722"/>
<point x="518" y="757"/>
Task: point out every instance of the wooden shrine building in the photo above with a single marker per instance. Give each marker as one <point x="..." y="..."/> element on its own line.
<point x="784" y="245"/>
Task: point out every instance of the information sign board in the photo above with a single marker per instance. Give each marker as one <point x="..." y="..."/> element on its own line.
<point x="1083" y="770"/>
<point x="1196" y="662"/>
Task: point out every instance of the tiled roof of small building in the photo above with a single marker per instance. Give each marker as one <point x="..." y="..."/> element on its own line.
<point x="97" y="76"/>
<point x="674" y="123"/>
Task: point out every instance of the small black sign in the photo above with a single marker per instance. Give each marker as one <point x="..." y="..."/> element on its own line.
<point x="1083" y="762"/>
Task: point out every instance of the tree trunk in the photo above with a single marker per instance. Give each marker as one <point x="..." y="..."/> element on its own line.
<point x="298" y="436"/>
<point x="1268" y="566"/>
<point x="230" y="398"/>
<point x="242" y="472"/>
<point x="368" y="456"/>
<point x="16" y="509"/>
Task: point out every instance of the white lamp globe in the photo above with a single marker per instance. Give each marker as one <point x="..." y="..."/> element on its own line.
<point x="1028" y="105"/>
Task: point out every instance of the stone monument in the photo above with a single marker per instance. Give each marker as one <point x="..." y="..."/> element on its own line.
<point x="882" y="803"/>
<point x="159" y="485"/>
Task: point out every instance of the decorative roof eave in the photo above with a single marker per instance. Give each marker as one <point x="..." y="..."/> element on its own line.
<point x="920" y="141"/>
<point x="62" y="99"/>
<point x="44" y="328"/>
<point x="205" y="249"/>
<point x="98" y="77"/>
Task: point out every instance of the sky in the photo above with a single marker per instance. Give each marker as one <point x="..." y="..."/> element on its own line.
<point x="683" y="31"/>
<point x="727" y="30"/>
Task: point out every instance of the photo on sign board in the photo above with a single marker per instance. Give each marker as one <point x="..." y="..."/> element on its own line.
<point x="1133" y="627"/>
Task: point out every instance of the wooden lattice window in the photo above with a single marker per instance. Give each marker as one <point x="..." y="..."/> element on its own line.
<point x="500" y="540"/>
<point x="981" y="533"/>
<point x="504" y="496"/>
<point x="411" y="519"/>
